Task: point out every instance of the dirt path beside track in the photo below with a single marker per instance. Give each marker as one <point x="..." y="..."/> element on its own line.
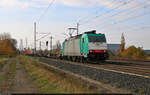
<point x="22" y="82"/>
<point x="15" y="79"/>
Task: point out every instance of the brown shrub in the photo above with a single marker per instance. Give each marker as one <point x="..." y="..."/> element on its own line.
<point x="133" y="52"/>
<point x="7" y="48"/>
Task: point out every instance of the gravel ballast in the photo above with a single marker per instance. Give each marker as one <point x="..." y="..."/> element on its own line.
<point x="131" y="82"/>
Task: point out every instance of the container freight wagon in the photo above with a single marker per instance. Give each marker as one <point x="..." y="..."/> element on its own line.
<point x="84" y="47"/>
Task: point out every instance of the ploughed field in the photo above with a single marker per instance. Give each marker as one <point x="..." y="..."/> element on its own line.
<point x="134" y="77"/>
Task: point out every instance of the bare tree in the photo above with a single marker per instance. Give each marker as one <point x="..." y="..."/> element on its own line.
<point x="5" y="36"/>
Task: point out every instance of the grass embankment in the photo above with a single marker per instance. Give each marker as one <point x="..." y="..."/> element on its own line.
<point x="52" y="82"/>
<point x="7" y="75"/>
<point x="3" y="61"/>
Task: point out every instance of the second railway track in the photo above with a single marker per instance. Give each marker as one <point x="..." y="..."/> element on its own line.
<point x="143" y="71"/>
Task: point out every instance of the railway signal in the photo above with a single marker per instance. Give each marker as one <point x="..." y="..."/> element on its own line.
<point x="47" y="44"/>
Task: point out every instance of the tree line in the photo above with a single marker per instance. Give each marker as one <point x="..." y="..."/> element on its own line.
<point x="5" y="36"/>
<point x="8" y="45"/>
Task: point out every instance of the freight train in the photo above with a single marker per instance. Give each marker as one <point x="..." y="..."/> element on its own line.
<point x="85" y="47"/>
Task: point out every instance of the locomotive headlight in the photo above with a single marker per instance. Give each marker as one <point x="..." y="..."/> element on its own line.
<point x="90" y="51"/>
<point x="105" y="51"/>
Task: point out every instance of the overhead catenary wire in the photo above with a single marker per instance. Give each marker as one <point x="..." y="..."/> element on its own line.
<point x="78" y="22"/>
<point x="43" y="37"/>
<point x="106" y="12"/>
<point x="127" y="19"/>
<point x="83" y="18"/>
<point x="133" y="7"/>
<point x="117" y="13"/>
<point x="37" y="21"/>
<point x="108" y="26"/>
<point x="129" y="29"/>
<point x="110" y="11"/>
<point x="45" y="11"/>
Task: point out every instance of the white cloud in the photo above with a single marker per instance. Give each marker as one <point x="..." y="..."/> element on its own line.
<point x="106" y="3"/>
<point x="19" y="4"/>
<point x="78" y="3"/>
<point x="15" y="3"/>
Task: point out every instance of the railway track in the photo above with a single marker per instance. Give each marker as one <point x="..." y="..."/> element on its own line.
<point x="127" y="76"/>
<point x="129" y="63"/>
<point x="133" y="67"/>
<point x="128" y="70"/>
<point x="137" y="69"/>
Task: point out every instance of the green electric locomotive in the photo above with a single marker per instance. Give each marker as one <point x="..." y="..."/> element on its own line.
<point x="87" y="46"/>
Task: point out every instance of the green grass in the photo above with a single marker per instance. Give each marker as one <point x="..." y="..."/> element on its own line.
<point x="44" y="84"/>
<point x="12" y="70"/>
<point x="3" y="61"/>
<point x="48" y="87"/>
<point x="142" y="91"/>
<point x="3" y="56"/>
<point x="2" y="78"/>
<point x="8" y="74"/>
<point x="117" y="85"/>
<point x="1" y="66"/>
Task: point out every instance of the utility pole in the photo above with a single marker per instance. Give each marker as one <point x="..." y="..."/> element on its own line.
<point x="77" y="28"/>
<point x="51" y="44"/>
<point x="26" y="43"/>
<point x="34" y="37"/>
<point x="21" y="46"/>
<point x="40" y="45"/>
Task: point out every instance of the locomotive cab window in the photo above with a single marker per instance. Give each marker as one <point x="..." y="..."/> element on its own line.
<point x="97" y="39"/>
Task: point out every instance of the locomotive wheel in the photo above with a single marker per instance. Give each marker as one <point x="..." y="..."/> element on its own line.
<point x="74" y="59"/>
<point x="70" y="58"/>
<point x="78" y="59"/>
<point x="87" y="60"/>
<point x="81" y="59"/>
<point x="84" y="60"/>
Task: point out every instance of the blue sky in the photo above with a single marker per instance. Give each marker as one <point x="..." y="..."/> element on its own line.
<point x="112" y="17"/>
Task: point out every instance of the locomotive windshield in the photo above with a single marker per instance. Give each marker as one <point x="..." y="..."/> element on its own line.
<point x="96" y="39"/>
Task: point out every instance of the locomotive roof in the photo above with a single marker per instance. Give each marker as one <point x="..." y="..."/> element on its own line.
<point x="78" y="36"/>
